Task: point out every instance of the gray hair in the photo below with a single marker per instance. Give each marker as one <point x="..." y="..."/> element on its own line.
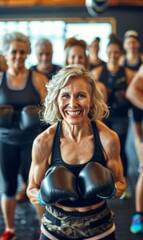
<point x="51" y="112"/>
<point x="43" y="41"/>
<point x="8" y="38"/>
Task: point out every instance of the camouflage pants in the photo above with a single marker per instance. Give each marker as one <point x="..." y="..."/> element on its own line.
<point x="77" y="225"/>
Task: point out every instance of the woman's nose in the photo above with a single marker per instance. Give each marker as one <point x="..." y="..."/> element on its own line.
<point x="73" y="101"/>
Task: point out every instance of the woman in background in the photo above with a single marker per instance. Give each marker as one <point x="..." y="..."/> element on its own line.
<point x="21" y="94"/>
<point x="116" y="80"/>
<point x="76" y="53"/>
<point x="93" y="58"/>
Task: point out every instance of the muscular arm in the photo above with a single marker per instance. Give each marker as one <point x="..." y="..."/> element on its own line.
<point x="39" y="81"/>
<point x="41" y="152"/>
<point x="111" y="147"/>
<point x="135" y="90"/>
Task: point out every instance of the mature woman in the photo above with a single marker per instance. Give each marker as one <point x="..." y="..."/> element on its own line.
<point x="21" y="94"/>
<point x="80" y="159"/>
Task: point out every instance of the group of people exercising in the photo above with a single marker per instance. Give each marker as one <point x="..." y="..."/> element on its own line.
<point x="77" y="150"/>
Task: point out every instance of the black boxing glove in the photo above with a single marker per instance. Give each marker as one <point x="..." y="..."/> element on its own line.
<point x="29" y="117"/>
<point x="6" y="116"/>
<point x="94" y="179"/>
<point x="59" y="184"/>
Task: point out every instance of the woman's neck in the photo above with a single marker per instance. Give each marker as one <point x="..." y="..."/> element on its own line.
<point x="77" y="132"/>
<point x="132" y="56"/>
<point x="113" y="67"/>
<point x="17" y="72"/>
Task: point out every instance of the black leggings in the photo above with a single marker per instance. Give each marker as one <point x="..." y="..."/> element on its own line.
<point x="12" y="159"/>
<point x="110" y="237"/>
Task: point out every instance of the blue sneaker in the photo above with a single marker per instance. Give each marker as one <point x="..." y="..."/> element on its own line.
<point x="137" y="224"/>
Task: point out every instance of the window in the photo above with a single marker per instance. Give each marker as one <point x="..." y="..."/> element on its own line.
<point x="59" y="30"/>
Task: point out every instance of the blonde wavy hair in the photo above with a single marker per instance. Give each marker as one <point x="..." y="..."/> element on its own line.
<point x="51" y="114"/>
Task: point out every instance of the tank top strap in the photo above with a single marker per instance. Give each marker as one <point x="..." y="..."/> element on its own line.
<point x="98" y="155"/>
<point x="3" y="79"/>
<point x="29" y="79"/>
<point x="56" y="154"/>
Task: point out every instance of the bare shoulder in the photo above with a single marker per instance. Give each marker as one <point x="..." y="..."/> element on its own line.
<point x="138" y="77"/>
<point x="39" y="81"/>
<point x="42" y="145"/>
<point x="122" y="59"/>
<point x="141" y="56"/>
<point x="109" y="138"/>
<point x="37" y="76"/>
<point x="129" y="74"/>
<point x="97" y="72"/>
<point x="140" y="71"/>
<point x="106" y="132"/>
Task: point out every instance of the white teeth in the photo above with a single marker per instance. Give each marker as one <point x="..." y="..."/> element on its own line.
<point x="73" y="113"/>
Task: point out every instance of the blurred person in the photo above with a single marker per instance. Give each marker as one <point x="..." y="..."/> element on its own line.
<point x="135" y="95"/>
<point x="3" y="64"/>
<point x="136" y="89"/>
<point x="116" y="80"/>
<point x="132" y="58"/>
<point x="75" y="187"/>
<point x="22" y="91"/>
<point x="93" y="57"/>
<point x="76" y="53"/>
<point x="44" y="53"/>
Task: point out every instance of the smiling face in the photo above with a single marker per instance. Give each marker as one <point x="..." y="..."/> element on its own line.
<point x="74" y="101"/>
<point x="113" y="53"/>
<point x="94" y="47"/>
<point x="16" y="55"/>
<point x="77" y="55"/>
<point x="44" y="55"/>
<point x="132" y="45"/>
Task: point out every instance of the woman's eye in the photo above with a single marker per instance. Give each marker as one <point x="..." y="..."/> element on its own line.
<point x="13" y="52"/>
<point x="81" y="96"/>
<point x="65" y="96"/>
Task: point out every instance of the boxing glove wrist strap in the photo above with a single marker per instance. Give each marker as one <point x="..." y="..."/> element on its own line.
<point x="40" y="200"/>
<point x="109" y="196"/>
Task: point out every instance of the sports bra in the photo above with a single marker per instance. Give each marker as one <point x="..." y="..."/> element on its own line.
<point x="98" y="156"/>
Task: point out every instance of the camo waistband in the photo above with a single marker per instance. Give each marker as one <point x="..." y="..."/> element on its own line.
<point x="77" y="225"/>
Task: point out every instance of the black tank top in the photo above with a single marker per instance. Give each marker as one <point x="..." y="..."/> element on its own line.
<point x="134" y="67"/>
<point x="18" y="98"/>
<point x="54" y="69"/>
<point x="116" y="82"/>
<point x="92" y="66"/>
<point x="98" y="156"/>
<point x="137" y="113"/>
